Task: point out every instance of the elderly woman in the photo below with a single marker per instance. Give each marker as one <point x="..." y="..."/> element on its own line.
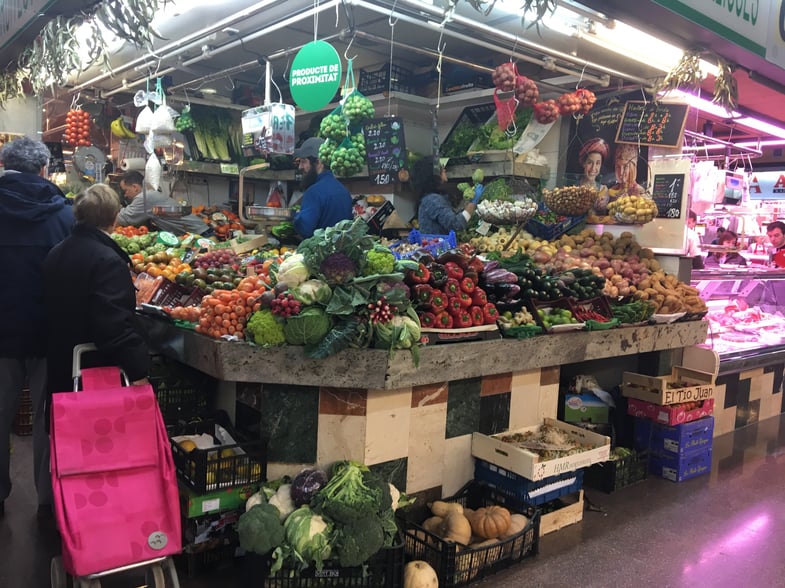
<point x="90" y="295"/>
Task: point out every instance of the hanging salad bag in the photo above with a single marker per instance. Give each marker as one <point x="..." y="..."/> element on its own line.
<point x="153" y="172"/>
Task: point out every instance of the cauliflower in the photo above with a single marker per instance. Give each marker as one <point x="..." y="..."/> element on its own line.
<point x="379" y="261"/>
<point x="282" y="500"/>
<point x="293" y="271"/>
<point x="264" y="329"/>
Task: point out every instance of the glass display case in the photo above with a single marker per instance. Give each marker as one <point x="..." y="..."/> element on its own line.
<point x="746" y="314"/>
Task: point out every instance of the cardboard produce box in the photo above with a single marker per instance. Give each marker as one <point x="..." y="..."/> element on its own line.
<point x="670" y="414"/>
<point x="683" y="385"/>
<point x="527" y="463"/>
<point x="676" y="439"/>
<point x="678" y="468"/>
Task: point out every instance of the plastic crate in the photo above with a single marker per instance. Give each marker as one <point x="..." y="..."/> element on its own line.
<point x="182" y="392"/>
<point x="555" y="230"/>
<point x="206" y="470"/>
<point x="618" y="473"/>
<point x="532" y="493"/>
<point x="194" y="563"/>
<point x="383" y="570"/>
<point x="457" y="565"/>
<point x="427" y="243"/>
<point x="388" y="77"/>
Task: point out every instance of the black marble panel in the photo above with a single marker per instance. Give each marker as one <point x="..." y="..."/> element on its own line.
<point x="731" y="383"/>
<point x="495" y="413"/>
<point x="393" y="471"/>
<point x="290" y="417"/>
<point x="463" y="407"/>
<point x="743" y="404"/>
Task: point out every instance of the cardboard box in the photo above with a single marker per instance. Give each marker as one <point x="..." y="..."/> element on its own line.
<point x="569" y="513"/>
<point x="683" y="385"/>
<point x="243" y="245"/>
<point x="669" y="414"/>
<point x="530" y="465"/>
<point x="480" y="333"/>
<point x="676" y="439"/>
<point x="678" y="468"/>
<point x="195" y="505"/>
<point x="585" y="408"/>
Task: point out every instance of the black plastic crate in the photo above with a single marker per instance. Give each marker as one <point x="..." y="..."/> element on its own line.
<point x="227" y="466"/>
<point x="183" y="393"/>
<point x="458" y="565"/>
<point x="194" y="563"/>
<point x="388" y="77"/>
<point x="612" y="475"/>
<point x="383" y="570"/>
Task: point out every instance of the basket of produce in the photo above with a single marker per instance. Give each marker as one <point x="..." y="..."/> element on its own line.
<point x="570" y="200"/>
<point x="507" y="212"/>
<point x="172" y="210"/>
<point x="633" y="210"/>
<point x="505" y="532"/>
<point x="548" y="225"/>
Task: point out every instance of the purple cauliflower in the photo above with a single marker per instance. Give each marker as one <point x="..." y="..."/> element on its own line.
<point x="338" y="268"/>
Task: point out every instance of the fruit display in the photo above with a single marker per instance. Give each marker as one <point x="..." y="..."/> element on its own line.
<point x="570" y="200"/>
<point x="550" y="317"/>
<point x="77" y="128"/>
<point x="633" y="210"/>
<point x="121" y="130"/>
<point x="185" y="122"/>
<point x="501" y="212"/>
<point x="225" y="312"/>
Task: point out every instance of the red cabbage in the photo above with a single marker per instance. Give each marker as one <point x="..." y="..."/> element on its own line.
<point x="307" y="483"/>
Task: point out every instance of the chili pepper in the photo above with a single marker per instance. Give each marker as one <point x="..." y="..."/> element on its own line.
<point x="479" y="297"/>
<point x="490" y="314"/>
<point x="452" y="287"/>
<point x="443" y="320"/>
<point x="462" y="319"/>
<point x="418" y="276"/>
<point x="465" y="299"/>
<point x="427" y="319"/>
<point x="454" y="304"/>
<point x="438" y="275"/>
<point x="423" y="294"/>
<point x="468" y="285"/>
<point x="438" y="301"/>
<point x="478" y="318"/>
<point x="453" y="270"/>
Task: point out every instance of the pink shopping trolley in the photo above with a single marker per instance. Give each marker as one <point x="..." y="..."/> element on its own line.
<point x="115" y="489"/>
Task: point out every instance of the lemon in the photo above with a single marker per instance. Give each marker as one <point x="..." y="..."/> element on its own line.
<point x="187" y="445"/>
<point x="227" y="452"/>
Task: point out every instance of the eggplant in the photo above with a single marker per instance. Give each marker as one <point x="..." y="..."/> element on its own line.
<point x="506" y="291"/>
<point x="513" y="305"/>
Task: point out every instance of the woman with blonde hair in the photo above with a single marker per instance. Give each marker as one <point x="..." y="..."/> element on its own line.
<point x="90" y="295"/>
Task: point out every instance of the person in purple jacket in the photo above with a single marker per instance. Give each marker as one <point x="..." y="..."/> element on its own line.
<point x="325" y="200"/>
<point x="35" y="216"/>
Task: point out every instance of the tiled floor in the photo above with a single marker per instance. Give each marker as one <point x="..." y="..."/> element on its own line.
<point x="723" y="529"/>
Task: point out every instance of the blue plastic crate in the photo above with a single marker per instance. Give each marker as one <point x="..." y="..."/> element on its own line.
<point x="676" y="439"/>
<point x="552" y="231"/>
<point x="432" y="244"/>
<point x="533" y="493"/>
<point x="678" y="468"/>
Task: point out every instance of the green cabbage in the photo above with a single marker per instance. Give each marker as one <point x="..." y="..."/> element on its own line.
<point x="313" y="292"/>
<point x="308" y="327"/>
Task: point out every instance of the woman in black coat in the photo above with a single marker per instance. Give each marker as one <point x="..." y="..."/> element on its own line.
<point x="90" y="295"/>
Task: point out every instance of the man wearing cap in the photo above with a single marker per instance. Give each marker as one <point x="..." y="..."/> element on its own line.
<point x="325" y="200"/>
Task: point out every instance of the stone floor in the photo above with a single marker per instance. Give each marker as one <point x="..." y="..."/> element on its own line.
<point x="721" y="530"/>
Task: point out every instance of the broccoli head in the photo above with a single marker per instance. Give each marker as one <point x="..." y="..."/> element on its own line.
<point x="356" y="542"/>
<point x="260" y="529"/>
<point x="347" y="497"/>
<point x="264" y="329"/>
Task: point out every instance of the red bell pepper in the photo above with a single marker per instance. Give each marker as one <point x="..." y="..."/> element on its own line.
<point x="453" y="270"/>
<point x="468" y="285"/>
<point x="479" y="297"/>
<point x="452" y="287"/>
<point x="465" y="299"/>
<point x="423" y="294"/>
<point x="462" y="319"/>
<point x="454" y="305"/>
<point x="490" y="313"/>
<point x="443" y="320"/>
<point x="438" y="302"/>
<point x="427" y="320"/>
<point x="418" y="276"/>
<point x="478" y="318"/>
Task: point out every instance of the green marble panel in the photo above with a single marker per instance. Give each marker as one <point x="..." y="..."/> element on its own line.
<point x="393" y="471"/>
<point x="463" y="407"/>
<point x="290" y="417"/>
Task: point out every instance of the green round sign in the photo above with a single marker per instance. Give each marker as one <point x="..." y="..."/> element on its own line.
<point x="315" y="75"/>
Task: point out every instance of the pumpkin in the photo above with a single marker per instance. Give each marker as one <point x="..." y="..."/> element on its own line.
<point x="418" y="574"/>
<point x="456" y="527"/>
<point x="490" y="522"/>
<point x="518" y="523"/>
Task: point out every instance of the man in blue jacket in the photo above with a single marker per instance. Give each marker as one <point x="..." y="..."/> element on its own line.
<point x="325" y="200"/>
<point x="34" y="216"/>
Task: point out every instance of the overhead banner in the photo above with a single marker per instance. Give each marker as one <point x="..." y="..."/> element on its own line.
<point x="767" y="185"/>
<point x="315" y="75"/>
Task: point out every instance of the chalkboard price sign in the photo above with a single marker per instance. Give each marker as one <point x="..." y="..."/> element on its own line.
<point x="385" y="149"/>
<point x="650" y="123"/>
<point x="667" y="193"/>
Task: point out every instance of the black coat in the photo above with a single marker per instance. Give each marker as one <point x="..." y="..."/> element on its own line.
<point x="90" y="297"/>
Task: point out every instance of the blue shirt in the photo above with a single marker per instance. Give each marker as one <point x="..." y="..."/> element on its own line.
<point x="325" y="203"/>
<point x="436" y="216"/>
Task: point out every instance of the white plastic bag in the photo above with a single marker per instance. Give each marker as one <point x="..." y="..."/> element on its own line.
<point x="144" y="120"/>
<point x="163" y="120"/>
<point x="153" y="172"/>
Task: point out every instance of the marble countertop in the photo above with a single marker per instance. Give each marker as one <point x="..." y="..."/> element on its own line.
<point x="377" y="369"/>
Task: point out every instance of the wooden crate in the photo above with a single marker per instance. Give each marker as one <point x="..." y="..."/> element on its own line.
<point x="570" y="513"/>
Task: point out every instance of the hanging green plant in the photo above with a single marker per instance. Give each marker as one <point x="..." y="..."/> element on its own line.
<point x="540" y="8"/>
<point x="131" y="20"/>
<point x="686" y="74"/>
<point x="54" y="55"/>
<point x="10" y="86"/>
<point x="726" y="89"/>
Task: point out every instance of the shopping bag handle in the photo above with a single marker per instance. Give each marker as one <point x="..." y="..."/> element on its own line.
<point x="76" y="367"/>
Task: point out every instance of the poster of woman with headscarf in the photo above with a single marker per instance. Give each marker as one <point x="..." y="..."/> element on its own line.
<point x="593" y="156"/>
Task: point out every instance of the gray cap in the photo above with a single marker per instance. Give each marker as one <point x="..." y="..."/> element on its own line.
<point x="309" y="148"/>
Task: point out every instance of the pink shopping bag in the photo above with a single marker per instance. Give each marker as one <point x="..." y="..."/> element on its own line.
<point x="115" y="490"/>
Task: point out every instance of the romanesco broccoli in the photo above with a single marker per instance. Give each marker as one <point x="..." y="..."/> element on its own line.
<point x="264" y="329"/>
<point x="379" y="261"/>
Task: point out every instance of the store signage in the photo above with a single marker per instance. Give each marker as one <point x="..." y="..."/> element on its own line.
<point x="767" y="185"/>
<point x="385" y="149"/>
<point x="667" y="193"/>
<point x="315" y="75"/>
<point x="652" y="123"/>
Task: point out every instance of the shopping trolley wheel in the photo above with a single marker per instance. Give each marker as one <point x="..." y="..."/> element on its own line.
<point x="57" y="573"/>
<point x="154" y="576"/>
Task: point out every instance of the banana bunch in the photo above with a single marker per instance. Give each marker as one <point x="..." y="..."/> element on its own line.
<point x="121" y="131"/>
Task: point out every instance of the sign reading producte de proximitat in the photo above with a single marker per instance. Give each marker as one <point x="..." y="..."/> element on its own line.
<point x="315" y="75"/>
<point x="385" y="149"/>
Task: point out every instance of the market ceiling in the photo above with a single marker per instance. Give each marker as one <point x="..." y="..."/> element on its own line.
<point x="211" y="48"/>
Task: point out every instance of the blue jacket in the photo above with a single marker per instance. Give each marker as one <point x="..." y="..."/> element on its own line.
<point x="34" y="217"/>
<point x="325" y="203"/>
<point x="435" y="215"/>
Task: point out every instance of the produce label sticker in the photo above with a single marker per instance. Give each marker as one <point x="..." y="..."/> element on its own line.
<point x="483" y="228"/>
<point x="315" y="75"/>
<point x="230" y="168"/>
<point x="531" y="136"/>
<point x="211" y="505"/>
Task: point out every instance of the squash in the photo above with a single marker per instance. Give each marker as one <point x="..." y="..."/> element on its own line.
<point x="433" y="525"/>
<point x="456" y="527"/>
<point x="490" y="522"/>
<point x="518" y="523"/>
<point x="418" y="574"/>
<point x="441" y="508"/>
<point x="490" y="551"/>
